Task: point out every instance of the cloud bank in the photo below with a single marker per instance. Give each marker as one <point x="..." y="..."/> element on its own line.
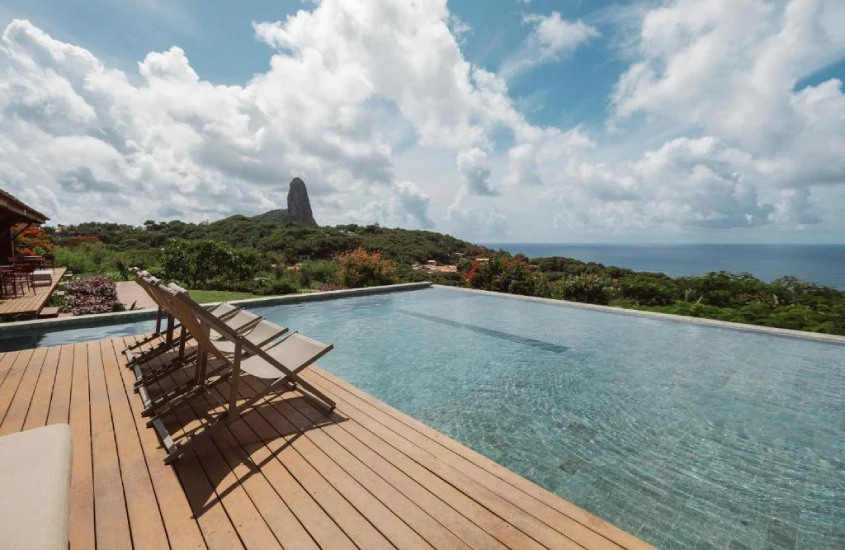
<point x="351" y="87"/>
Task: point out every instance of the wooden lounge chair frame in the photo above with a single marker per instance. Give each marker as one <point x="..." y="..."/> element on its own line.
<point x="200" y="322"/>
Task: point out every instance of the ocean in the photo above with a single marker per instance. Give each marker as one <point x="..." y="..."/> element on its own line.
<point x="822" y="264"/>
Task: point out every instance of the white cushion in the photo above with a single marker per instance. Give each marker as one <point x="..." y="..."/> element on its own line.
<point x="35" y="470"/>
<point x="42" y="275"/>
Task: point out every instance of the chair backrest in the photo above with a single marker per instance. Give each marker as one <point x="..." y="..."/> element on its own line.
<point x="196" y="318"/>
<point x="149" y="287"/>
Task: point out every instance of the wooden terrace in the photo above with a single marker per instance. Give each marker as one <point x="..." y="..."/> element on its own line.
<point x="285" y="475"/>
<point x="31" y="303"/>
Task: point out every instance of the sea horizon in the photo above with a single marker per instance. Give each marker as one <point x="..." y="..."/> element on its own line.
<point x="819" y="263"/>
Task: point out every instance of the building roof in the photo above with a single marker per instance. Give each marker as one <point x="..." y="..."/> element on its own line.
<point x="14" y="211"/>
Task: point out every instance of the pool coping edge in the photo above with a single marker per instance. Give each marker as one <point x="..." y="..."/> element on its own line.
<point x="22" y="327"/>
<point x="744" y="327"/>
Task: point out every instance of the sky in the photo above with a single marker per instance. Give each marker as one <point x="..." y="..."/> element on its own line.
<point x="504" y="120"/>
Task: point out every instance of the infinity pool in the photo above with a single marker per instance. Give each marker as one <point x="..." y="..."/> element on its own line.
<point x="684" y="435"/>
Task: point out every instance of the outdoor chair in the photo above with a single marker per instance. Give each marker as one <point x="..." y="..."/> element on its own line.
<point x="166" y="336"/>
<point x="278" y="365"/>
<point x="261" y="334"/>
<point x="23" y="277"/>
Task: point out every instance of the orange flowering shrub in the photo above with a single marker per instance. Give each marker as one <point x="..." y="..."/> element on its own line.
<point x="360" y="268"/>
<point x="33" y="241"/>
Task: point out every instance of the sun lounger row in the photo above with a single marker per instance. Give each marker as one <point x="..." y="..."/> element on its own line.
<point x="227" y="344"/>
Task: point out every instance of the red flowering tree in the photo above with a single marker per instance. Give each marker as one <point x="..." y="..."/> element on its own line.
<point x="360" y="268"/>
<point x="32" y="241"/>
<point x="502" y="273"/>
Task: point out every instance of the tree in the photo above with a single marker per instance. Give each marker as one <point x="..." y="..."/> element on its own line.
<point x="197" y="262"/>
<point x="32" y="241"/>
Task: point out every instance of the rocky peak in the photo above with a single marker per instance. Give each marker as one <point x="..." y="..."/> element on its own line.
<point x="299" y="207"/>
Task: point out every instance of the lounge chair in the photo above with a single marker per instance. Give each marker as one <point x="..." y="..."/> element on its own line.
<point x="233" y="315"/>
<point x="256" y="329"/>
<point x="279" y="365"/>
<point x="165" y="336"/>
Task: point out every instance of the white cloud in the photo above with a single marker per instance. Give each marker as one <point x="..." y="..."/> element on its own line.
<point x="350" y="83"/>
<point x="405" y="205"/>
<point x="551" y="38"/>
<point x="475" y="171"/>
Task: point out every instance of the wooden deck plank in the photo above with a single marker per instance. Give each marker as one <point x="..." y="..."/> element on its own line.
<point x="286" y="474"/>
<point x="141" y="505"/>
<point x="215" y="524"/>
<point x="112" y="522"/>
<point x="15" y="415"/>
<point x="279" y="517"/>
<point x="381" y="426"/>
<point x="59" y="411"/>
<point x="363" y="533"/>
<point x="548" y="498"/>
<point x="264" y="447"/>
<point x="551" y="517"/>
<point x="403" y="457"/>
<point x="6" y="363"/>
<point x="406" y="509"/>
<point x="225" y="486"/>
<point x="180" y="524"/>
<point x="425" y="498"/>
<point x="82" y="529"/>
<point x="9" y="384"/>
<point x="33" y="301"/>
<point x="382" y="518"/>
<point x="39" y="408"/>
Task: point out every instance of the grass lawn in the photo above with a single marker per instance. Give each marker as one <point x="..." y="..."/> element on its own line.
<point x="207" y="296"/>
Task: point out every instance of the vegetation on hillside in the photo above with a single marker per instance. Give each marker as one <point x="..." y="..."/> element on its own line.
<point x="287" y="242"/>
<point x="256" y="256"/>
<point x="737" y="297"/>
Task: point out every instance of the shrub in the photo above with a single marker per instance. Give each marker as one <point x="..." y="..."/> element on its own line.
<point x="279" y="286"/>
<point x="501" y="273"/>
<point x="647" y="293"/>
<point x="92" y="295"/>
<point x="317" y="271"/>
<point x="588" y="288"/>
<point x="360" y="268"/>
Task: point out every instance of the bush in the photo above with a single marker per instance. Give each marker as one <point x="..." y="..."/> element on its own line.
<point x="313" y="272"/>
<point x="647" y="293"/>
<point x="76" y="259"/>
<point x="587" y="288"/>
<point x="274" y="287"/>
<point x="360" y="268"/>
<point x="92" y="295"/>
<point x="501" y="273"/>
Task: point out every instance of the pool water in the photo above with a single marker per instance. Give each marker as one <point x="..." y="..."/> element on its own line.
<point x="685" y="435"/>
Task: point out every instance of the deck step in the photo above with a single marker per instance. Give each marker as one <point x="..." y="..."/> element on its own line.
<point x="49" y="313"/>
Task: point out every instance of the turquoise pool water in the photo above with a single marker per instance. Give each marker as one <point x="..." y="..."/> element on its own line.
<point x="687" y="436"/>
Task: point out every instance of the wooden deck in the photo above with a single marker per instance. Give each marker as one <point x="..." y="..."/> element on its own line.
<point x="285" y="475"/>
<point x="32" y="302"/>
